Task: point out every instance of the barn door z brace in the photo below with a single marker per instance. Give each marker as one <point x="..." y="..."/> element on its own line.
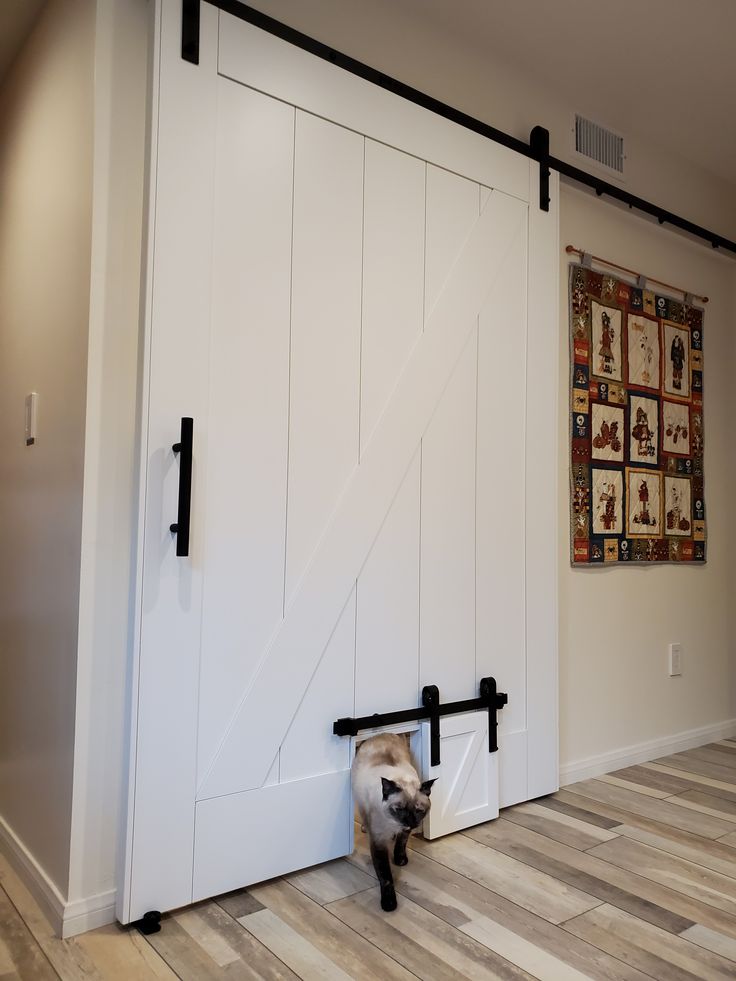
<point x="431" y="708"/>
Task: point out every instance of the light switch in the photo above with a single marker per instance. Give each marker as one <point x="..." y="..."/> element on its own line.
<point x="31" y="418"/>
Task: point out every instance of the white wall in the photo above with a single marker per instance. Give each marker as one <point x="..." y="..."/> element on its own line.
<point x="46" y="185"/>
<point x="616" y="622"/>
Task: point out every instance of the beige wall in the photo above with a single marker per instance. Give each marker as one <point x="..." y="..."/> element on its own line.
<point x="488" y="85"/>
<point x="45" y="214"/>
<point x="616" y="623"/>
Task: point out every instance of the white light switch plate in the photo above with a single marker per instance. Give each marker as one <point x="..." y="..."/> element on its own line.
<point x="675" y="659"/>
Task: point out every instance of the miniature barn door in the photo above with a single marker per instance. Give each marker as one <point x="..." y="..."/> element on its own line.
<point x="466" y="792"/>
<point x="354" y="300"/>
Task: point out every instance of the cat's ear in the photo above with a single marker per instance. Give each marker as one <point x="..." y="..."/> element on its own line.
<point x="426" y="787"/>
<point x="389" y="787"/>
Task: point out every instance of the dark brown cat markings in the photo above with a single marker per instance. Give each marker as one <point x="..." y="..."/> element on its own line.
<point x="392" y="802"/>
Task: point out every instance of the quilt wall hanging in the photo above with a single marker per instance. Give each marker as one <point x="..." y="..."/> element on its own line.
<point x="636" y="446"/>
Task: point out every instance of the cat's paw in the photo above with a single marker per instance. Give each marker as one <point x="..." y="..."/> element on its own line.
<point x="388" y="899"/>
<point x="401" y="859"/>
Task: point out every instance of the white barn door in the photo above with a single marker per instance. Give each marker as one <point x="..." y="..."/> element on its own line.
<point x="355" y="302"/>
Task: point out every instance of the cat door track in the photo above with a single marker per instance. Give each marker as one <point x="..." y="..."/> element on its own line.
<point x="431" y="708"/>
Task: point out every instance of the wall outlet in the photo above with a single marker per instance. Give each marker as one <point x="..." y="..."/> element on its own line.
<point x="675" y="659"/>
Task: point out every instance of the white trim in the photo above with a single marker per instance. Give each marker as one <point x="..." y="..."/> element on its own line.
<point x="125" y="851"/>
<point x="33" y="876"/>
<point x="88" y="914"/>
<point x="594" y="766"/>
<point x="66" y="919"/>
<point x="110" y="489"/>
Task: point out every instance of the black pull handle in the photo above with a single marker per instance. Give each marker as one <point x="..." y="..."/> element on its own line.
<point x="431" y="701"/>
<point x="494" y="701"/>
<point x="184" y="449"/>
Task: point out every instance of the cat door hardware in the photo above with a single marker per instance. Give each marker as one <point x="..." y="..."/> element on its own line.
<point x="180" y="528"/>
<point x="431" y="708"/>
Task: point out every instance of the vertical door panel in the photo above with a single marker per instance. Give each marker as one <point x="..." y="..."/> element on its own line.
<point x="447" y="642"/>
<point x="387" y="634"/>
<point x="249" y="400"/>
<point x="325" y="331"/>
<point x="447" y="601"/>
<point x="393" y="274"/>
<point x="310" y="748"/>
<point x="452" y="207"/>
<point x="501" y="519"/>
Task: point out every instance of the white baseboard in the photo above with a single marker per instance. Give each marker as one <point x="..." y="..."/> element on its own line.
<point x="88" y="914"/>
<point x="33" y="876"/>
<point x="594" y="766"/>
<point x="66" y="919"/>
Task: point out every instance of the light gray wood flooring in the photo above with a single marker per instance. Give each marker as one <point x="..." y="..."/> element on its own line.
<point x="629" y="876"/>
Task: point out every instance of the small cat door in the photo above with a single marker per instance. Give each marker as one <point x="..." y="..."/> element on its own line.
<point x="466" y="792"/>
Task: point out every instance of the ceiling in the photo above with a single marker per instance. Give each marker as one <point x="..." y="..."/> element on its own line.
<point x="664" y="69"/>
<point x="16" y="19"/>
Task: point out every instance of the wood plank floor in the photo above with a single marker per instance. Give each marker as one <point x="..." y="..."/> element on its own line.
<point x="630" y="876"/>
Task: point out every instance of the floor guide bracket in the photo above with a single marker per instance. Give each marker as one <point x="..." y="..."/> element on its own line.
<point x="149" y="923"/>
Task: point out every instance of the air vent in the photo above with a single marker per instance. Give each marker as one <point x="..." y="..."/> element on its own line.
<point x="599" y="144"/>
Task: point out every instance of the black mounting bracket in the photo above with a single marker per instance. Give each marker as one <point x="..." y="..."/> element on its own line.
<point x="190" y="30"/>
<point x="539" y="146"/>
<point x="431" y="708"/>
<point x="149" y="923"/>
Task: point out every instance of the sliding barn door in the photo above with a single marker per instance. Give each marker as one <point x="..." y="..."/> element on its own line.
<point x="354" y="301"/>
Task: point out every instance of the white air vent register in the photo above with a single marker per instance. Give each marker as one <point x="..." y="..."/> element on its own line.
<point x="602" y="145"/>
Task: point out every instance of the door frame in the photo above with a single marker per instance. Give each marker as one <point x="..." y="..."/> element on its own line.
<point x="180" y="116"/>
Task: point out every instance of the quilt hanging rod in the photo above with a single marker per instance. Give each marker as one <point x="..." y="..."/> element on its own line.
<point x="537" y="148"/>
<point x="586" y="257"/>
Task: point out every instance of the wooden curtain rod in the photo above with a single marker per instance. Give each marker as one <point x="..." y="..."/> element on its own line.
<point x="614" y="265"/>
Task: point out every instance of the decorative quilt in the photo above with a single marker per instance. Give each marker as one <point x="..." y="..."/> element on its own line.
<point x="636" y="447"/>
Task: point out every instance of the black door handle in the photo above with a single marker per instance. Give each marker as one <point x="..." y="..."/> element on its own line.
<point x="184" y="448"/>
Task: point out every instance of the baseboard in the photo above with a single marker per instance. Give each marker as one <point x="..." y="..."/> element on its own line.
<point x="33" y="876"/>
<point x="88" y="914"/>
<point x="66" y="919"/>
<point x="594" y="766"/>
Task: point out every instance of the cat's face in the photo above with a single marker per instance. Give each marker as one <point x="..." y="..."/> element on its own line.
<point x="406" y="808"/>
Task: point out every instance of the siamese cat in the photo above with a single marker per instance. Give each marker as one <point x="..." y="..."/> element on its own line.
<point x="391" y="800"/>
